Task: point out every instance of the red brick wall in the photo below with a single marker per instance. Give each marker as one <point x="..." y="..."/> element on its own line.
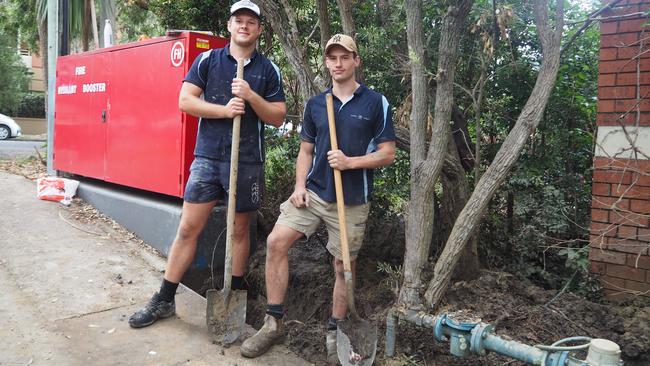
<point x="620" y="230"/>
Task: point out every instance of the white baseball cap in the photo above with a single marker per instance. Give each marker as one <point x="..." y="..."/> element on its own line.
<point x="245" y="4"/>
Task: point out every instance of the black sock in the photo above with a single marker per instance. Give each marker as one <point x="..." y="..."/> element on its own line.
<point x="238" y="283"/>
<point x="168" y="290"/>
<point x="275" y="310"/>
<point x="332" y="323"/>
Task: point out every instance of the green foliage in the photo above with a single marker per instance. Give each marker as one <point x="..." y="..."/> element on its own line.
<point x="279" y="169"/>
<point x="21" y="19"/>
<point x="192" y="14"/>
<point x="135" y="22"/>
<point x="14" y="76"/>
<point x="392" y="187"/>
<point x="31" y="105"/>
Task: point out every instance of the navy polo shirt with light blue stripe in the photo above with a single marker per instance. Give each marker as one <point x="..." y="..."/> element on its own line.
<point x="213" y="72"/>
<point x="362" y="122"/>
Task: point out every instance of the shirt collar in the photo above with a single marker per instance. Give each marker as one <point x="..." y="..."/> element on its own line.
<point x="357" y="92"/>
<point x="227" y="49"/>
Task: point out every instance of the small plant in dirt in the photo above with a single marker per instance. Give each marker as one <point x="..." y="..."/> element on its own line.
<point x="393" y="276"/>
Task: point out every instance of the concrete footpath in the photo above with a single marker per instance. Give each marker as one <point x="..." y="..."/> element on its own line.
<point x="67" y="290"/>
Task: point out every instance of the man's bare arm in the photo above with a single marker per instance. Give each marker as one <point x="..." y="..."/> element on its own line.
<point x="385" y="155"/>
<point x="300" y="196"/>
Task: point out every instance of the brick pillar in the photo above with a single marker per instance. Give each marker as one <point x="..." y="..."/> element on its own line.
<point x="620" y="215"/>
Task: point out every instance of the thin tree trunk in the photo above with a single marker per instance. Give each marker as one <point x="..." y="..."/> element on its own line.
<point x="347" y="21"/>
<point x="93" y="21"/>
<point x="424" y="173"/>
<point x="455" y="193"/>
<point x="507" y="155"/>
<point x="415" y="256"/>
<point x="325" y="33"/>
<point x="86" y="32"/>
<point x="280" y="16"/>
<point x="349" y="28"/>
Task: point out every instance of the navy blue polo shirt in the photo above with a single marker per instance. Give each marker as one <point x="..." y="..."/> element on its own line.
<point x="213" y="72"/>
<point x="362" y="123"/>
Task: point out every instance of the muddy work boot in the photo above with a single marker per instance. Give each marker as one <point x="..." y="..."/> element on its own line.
<point x="330" y="346"/>
<point x="272" y="332"/>
<point x="157" y="308"/>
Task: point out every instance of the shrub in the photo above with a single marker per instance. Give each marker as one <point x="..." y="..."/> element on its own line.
<point x="31" y="105"/>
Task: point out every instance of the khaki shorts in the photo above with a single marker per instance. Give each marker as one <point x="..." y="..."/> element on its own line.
<point x="307" y="220"/>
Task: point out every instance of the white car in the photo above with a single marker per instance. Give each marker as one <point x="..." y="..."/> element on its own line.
<point x="8" y="128"/>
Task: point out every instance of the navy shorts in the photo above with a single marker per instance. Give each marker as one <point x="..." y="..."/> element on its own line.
<point x="209" y="180"/>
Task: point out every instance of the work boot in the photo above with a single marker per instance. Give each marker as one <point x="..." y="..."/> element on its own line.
<point x="272" y="332"/>
<point x="330" y="345"/>
<point x="157" y="308"/>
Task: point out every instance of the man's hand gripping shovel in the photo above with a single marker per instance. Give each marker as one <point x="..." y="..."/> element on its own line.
<point x="226" y="309"/>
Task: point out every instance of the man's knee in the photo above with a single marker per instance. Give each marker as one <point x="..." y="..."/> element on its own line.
<point x="188" y="231"/>
<point x="277" y="244"/>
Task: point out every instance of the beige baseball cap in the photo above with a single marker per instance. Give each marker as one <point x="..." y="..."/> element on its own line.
<point x="342" y="40"/>
<point x="245" y="4"/>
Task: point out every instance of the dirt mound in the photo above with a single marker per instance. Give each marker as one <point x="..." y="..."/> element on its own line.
<point x="517" y="308"/>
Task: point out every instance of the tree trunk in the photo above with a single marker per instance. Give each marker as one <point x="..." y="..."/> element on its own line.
<point x="325" y="33"/>
<point x="347" y="21"/>
<point x="455" y="193"/>
<point x="86" y="31"/>
<point x="349" y="28"/>
<point x="424" y="173"/>
<point x="280" y="16"/>
<point x="416" y="255"/>
<point x="507" y="155"/>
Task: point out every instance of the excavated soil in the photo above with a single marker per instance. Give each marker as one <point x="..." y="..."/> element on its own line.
<point x="516" y="307"/>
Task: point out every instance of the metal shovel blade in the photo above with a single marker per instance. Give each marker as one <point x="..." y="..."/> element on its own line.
<point x="356" y="342"/>
<point x="226" y="315"/>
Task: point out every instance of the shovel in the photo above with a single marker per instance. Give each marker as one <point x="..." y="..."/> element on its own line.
<point x="356" y="339"/>
<point x="226" y="310"/>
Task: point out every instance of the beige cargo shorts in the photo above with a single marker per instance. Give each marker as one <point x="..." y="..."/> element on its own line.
<point x="307" y="220"/>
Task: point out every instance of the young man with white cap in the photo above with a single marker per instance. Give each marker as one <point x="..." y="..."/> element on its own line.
<point x="366" y="141"/>
<point x="212" y="92"/>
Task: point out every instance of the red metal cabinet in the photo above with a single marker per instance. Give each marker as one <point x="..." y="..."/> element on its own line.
<point x="117" y="116"/>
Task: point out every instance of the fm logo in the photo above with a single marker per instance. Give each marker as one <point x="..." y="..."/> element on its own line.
<point x="177" y="54"/>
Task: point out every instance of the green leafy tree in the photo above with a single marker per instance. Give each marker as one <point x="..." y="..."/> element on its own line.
<point x="14" y="76"/>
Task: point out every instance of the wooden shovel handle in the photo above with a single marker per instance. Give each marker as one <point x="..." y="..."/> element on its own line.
<point x="338" y="184"/>
<point x="340" y="205"/>
<point x="232" y="190"/>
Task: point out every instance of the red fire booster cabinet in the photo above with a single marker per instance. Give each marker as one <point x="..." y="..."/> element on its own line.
<point x="117" y="116"/>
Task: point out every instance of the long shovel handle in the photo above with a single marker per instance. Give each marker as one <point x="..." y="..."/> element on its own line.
<point x="232" y="190"/>
<point x="340" y="205"/>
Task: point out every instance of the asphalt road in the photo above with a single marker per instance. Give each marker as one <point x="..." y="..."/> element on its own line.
<point x="15" y="149"/>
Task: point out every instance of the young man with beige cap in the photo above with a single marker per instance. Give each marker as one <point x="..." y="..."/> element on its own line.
<point x="366" y="141"/>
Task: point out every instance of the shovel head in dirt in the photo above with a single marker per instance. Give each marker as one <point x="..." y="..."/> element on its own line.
<point x="226" y="314"/>
<point x="356" y="342"/>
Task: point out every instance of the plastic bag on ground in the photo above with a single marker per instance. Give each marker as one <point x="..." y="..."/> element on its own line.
<point x="56" y="189"/>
